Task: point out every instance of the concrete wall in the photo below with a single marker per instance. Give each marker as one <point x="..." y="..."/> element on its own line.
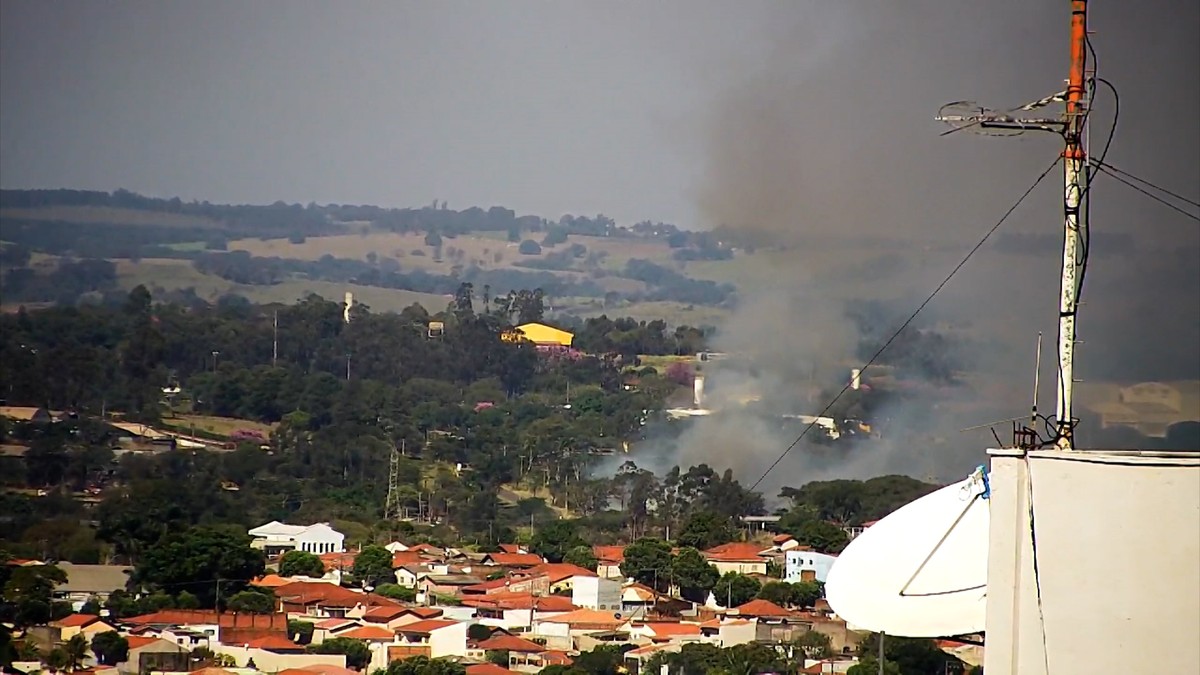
<point x="448" y="641"/>
<point x="596" y="593"/>
<point x="1118" y="562"/>
<point x="270" y="662"/>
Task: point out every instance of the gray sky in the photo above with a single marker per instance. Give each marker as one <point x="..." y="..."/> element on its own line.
<point x="564" y="107"/>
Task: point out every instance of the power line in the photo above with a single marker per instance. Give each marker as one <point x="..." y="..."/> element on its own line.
<point x="1113" y="175"/>
<point x="911" y="318"/>
<point x="1143" y="181"/>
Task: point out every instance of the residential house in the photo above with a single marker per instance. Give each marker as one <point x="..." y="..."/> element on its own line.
<point x="666" y="631"/>
<point x="729" y="632"/>
<point x="435" y="638"/>
<point x="560" y="577"/>
<point x="807" y="566"/>
<point x="516" y="611"/>
<point x="198" y="625"/>
<point x="641" y="601"/>
<point x="331" y="628"/>
<point x="637" y="659"/>
<point x="326" y="601"/>
<point x="772" y="622"/>
<point x="87" y="581"/>
<point x="592" y="592"/>
<point x="410" y="575"/>
<point x="415" y="614"/>
<point x="534" y="663"/>
<point x="446" y="584"/>
<point x="513" y="561"/>
<point x="276" y="538"/>
<point x="518" y="649"/>
<point x="276" y="655"/>
<point x="608" y="561"/>
<point x="148" y="654"/>
<point x="513" y="548"/>
<point x="561" y="632"/>
<point x="29" y="414"/>
<point x="741" y="557"/>
<point x="87" y="625"/>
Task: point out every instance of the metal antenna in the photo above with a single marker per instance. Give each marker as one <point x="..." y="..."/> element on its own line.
<point x="1037" y="377"/>
<point x="967" y="115"/>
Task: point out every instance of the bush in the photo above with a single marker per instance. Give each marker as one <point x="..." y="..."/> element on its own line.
<point x="397" y="592"/>
<point x="529" y="247"/>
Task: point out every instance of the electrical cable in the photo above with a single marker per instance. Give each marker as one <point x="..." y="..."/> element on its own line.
<point x="912" y="317"/>
<point x="1104" y="169"/>
<point x="1143" y="181"/>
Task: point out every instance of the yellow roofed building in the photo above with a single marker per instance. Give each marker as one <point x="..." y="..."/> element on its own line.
<point x="541" y="335"/>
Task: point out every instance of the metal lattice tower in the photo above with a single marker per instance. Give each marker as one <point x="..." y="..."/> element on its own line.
<point x="391" y="508"/>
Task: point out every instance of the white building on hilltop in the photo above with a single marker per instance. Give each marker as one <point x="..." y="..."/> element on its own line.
<point x="807" y="566"/>
<point x="275" y="538"/>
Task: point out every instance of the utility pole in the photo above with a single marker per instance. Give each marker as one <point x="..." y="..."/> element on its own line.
<point x="1071" y="126"/>
<point x="881" y="654"/>
<point x="275" y="338"/>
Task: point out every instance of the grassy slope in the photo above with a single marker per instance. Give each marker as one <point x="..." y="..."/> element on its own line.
<point x="171" y="274"/>
<point x="98" y="215"/>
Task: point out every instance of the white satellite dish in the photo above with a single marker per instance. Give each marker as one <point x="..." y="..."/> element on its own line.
<point x="921" y="571"/>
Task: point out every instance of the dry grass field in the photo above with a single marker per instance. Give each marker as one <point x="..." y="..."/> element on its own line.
<point x="222" y="426"/>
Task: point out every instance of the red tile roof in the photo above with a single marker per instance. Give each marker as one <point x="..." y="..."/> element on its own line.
<point x="587" y="618"/>
<point x="337" y="561"/>
<point x="545" y="603"/>
<point x="138" y="641"/>
<point x="332" y="624"/>
<point x="270" y="581"/>
<point x="487" y="669"/>
<point x="77" y="620"/>
<point x="557" y="572"/>
<point x="764" y="609"/>
<point x="329" y="595"/>
<point x="428" y="549"/>
<point x="556" y="658"/>
<point x="192" y="617"/>
<point x="510" y="643"/>
<point x="738" y="551"/>
<point x="612" y="555"/>
<point x="514" y="559"/>
<point x="511" y="548"/>
<point x="423" y="612"/>
<point x="383" y="614"/>
<point x="485" y="587"/>
<point x="401" y="558"/>
<point x="328" y="669"/>
<point x="369" y="633"/>
<point x="425" y="627"/>
<point x="781" y="539"/>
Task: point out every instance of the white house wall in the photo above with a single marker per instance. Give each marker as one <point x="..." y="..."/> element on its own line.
<point x="1117" y="551"/>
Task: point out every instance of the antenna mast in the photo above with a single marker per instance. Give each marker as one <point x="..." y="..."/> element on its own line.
<point x="1074" y="178"/>
<point x="968" y="115"/>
